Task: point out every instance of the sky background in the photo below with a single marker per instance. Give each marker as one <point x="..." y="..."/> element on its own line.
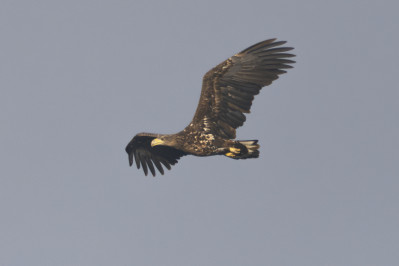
<point x="78" y="79"/>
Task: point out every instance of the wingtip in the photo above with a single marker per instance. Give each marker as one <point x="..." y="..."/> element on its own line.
<point x="130" y="155"/>
<point x="266" y="44"/>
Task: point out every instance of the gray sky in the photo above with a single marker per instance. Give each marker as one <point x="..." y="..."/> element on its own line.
<point x="79" y="79"/>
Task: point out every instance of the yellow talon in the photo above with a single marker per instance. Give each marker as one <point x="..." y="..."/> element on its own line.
<point x="235" y="150"/>
<point x="230" y="154"/>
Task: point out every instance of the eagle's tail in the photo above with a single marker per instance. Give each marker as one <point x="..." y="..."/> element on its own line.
<point x="244" y="149"/>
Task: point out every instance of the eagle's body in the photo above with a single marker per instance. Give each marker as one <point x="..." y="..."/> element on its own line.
<point x="227" y="93"/>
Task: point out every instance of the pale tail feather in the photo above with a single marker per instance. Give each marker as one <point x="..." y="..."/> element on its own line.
<point x="252" y="146"/>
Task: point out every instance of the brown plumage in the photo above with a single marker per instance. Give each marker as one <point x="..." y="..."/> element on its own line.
<point x="227" y="93"/>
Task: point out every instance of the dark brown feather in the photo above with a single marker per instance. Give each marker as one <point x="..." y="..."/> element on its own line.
<point x="146" y="156"/>
<point x="229" y="88"/>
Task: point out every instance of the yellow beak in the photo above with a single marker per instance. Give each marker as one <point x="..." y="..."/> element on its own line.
<point x="156" y="142"/>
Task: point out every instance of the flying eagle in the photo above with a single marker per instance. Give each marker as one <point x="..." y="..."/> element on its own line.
<point x="227" y="93"/>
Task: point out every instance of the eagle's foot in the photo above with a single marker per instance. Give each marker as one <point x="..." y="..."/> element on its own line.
<point x="233" y="152"/>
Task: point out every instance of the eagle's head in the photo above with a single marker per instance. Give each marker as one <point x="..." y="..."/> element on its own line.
<point x="164" y="140"/>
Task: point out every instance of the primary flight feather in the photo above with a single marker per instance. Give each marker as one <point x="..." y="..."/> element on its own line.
<point x="227" y="93"/>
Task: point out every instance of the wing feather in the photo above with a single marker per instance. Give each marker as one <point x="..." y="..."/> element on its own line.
<point x="158" y="166"/>
<point x="144" y="163"/>
<point x="136" y="158"/>
<point x="229" y="88"/>
<point x="145" y="156"/>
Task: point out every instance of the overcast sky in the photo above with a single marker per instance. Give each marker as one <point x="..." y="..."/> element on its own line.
<point x="78" y="79"/>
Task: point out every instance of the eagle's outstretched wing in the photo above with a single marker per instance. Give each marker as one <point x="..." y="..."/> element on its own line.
<point x="229" y="88"/>
<point x="140" y="149"/>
